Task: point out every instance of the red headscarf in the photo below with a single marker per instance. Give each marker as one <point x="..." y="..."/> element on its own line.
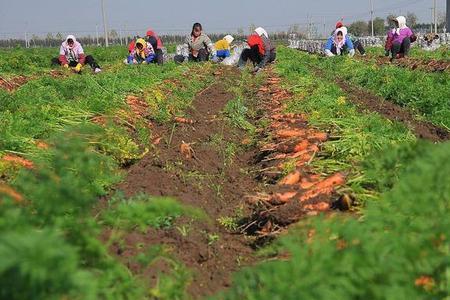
<point x="150" y="32"/>
<point x="255" y="40"/>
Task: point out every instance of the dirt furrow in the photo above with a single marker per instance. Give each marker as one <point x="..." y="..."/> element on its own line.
<point x="190" y="164"/>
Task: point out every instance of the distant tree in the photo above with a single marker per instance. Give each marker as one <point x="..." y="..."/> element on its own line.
<point x="359" y="28"/>
<point x="59" y="36"/>
<point x="113" y="34"/>
<point x="389" y="19"/>
<point x="295" y="28"/>
<point x="378" y="26"/>
<point x="240" y="31"/>
<point x="411" y="19"/>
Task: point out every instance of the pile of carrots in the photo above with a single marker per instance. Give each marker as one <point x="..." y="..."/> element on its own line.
<point x="18" y="161"/>
<point x="295" y="142"/>
<point x="138" y="107"/>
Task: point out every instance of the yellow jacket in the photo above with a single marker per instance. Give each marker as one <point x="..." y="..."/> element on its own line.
<point x="222" y="45"/>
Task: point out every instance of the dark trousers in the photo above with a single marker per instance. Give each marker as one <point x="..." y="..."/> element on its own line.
<point x="158" y="52"/>
<point x="89" y="61"/>
<point x="203" y="55"/>
<point x="343" y="50"/>
<point x="402" y="48"/>
<point x="254" y="56"/>
<point x="358" y="46"/>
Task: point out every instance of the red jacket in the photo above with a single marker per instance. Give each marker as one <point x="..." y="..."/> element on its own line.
<point x="256" y="40"/>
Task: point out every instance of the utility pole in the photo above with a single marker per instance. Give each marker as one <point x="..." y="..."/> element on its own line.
<point x="105" y="27"/>
<point x="432" y="19"/>
<point x="26" y="39"/>
<point x="448" y="15"/>
<point x="435" y="16"/>
<point x="371" y="16"/>
<point x="96" y="32"/>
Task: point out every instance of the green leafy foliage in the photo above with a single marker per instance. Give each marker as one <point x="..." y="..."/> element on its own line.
<point x="422" y="92"/>
<point x="356" y="134"/>
<point x="398" y="250"/>
<point x="143" y="211"/>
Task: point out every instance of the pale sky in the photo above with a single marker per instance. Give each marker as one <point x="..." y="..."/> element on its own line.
<point x="176" y="16"/>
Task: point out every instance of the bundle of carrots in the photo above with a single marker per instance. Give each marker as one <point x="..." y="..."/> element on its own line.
<point x="18" y="161"/>
<point x="138" y="107"/>
<point x="293" y="140"/>
<point x="10" y="192"/>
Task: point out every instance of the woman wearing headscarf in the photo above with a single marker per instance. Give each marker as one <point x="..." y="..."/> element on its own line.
<point x="199" y="46"/>
<point x="71" y="55"/>
<point x="357" y="45"/>
<point x="261" y="50"/>
<point x="399" y="39"/>
<point x="142" y="53"/>
<point x="339" y="44"/>
<point x="152" y="38"/>
<point x="223" y="47"/>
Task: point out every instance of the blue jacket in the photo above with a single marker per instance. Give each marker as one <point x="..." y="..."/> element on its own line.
<point x="348" y="43"/>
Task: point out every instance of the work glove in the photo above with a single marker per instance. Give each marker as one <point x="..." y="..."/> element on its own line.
<point x="66" y="66"/>
<point x="78" y="68"/>
<point x="257" y="69"/>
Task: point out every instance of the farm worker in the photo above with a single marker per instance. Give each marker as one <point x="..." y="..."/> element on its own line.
<point x="199" y="46"/>
<point x="339" y="44"/>
<point x="399" y="39"/>
<point x="261" y="51"/>
<point x="152" y="38"/>
<point x="71" y="54"/>
<point x="223" y="47"/>
<point x="142" y="53"/>
<point x="356" y="43"/>
<point x="157" y="45"/>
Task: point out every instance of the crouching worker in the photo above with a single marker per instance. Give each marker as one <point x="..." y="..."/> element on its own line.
<point x="223" y="48"/>
<point x="157" y="45"/>
<point x="399" y="39"/>
<point x="142" y="53"/>
<point x="339" y="44"/>
<point x="199" y="46"/>
<point x="261" y="51"/>
<point x="357" y="45"/>
<point x="71" y="55"/>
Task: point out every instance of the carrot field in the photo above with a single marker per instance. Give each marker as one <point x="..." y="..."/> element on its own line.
<point x="313" y="179"/>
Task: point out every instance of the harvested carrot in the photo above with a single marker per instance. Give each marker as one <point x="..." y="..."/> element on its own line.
<point x="288" y="133"/>
<point x="183" y="120"/>
<point x="42" y="145"/>
<point x="303" y="145"/>
<point x="321" y="206"/>
<point x="291" y="178"/>
<point x="304" y="159"/>
<point x="332" y="181"/>
<point x="321" y="137"/>
<point x="9" y="191"/>
<point x="18" y="161"/>
<point x="187" y="150"/>
<point x="285" y="197"/>
<point x="157" y="141"/>
<point x="313" y="193"/>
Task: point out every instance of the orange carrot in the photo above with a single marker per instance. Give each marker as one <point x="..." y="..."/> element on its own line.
<point x="332" y="181"/>
<point x="18" y="161"/>
<point x="183" y="120"/>
<point x="313" y="193"/>
<point x="285" y="197"/>
<point x="6" y="190"/>
<point x="320" y="136"/>
<point x="321" y="206"/>
<point x="287" y="133"/>
<point x="290" y="179"/>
